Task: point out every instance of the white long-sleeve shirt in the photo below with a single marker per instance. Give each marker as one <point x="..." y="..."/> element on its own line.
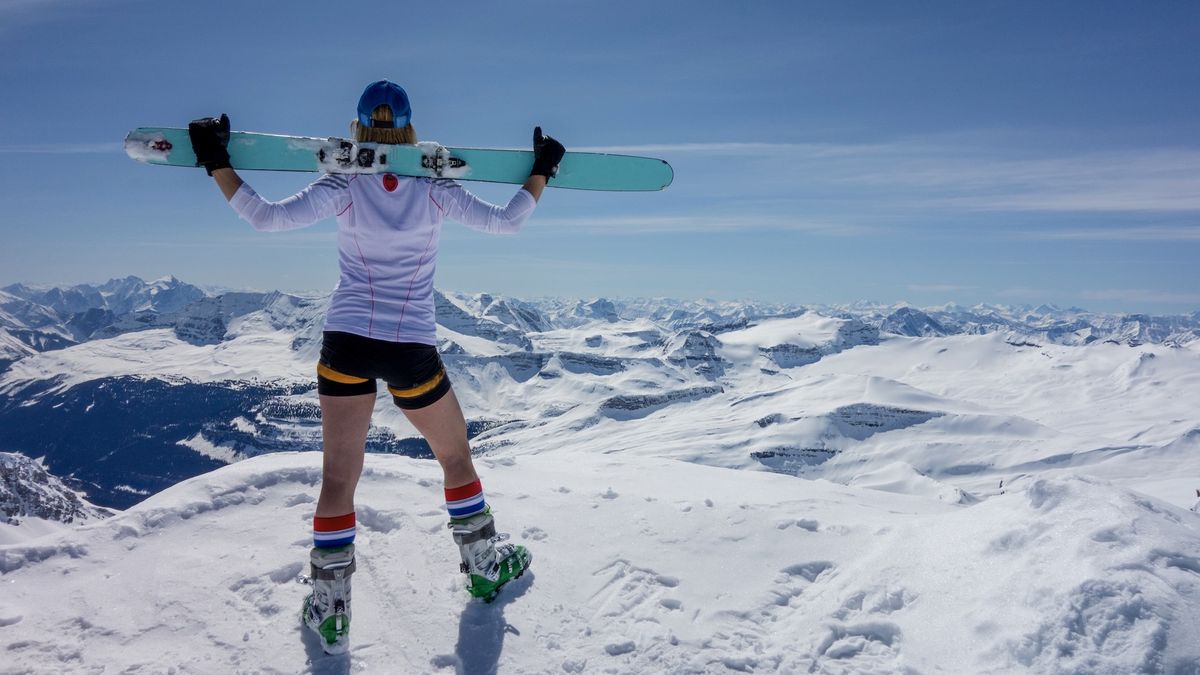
<point x="387" y="243"/>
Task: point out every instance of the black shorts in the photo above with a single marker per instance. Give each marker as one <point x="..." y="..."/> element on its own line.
<point x="351" y="363"/>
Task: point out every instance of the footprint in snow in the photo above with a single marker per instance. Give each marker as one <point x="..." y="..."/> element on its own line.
<point x="619" y="648"/>
<point x="259" y="591"/>
<point x="872" y="640"/>
<point x="299" y="498"/>
<point x="534" y="533"/>
<point x="1178" y="560"/>
<point x="789" y="587"/>
<point x="380" y="521"/>
<point x="809" y="570"/>
<point x="286" y="573"/>
<point x="875" y="600"/>
<point x="801" y="523"/>
<point x="631" y="597"/>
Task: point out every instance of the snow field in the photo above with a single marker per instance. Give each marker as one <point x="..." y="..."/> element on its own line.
<point x="640" y="565"/>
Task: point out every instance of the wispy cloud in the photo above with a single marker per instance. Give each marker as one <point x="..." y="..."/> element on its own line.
<point x="9" y="7"/>
<point x="1027" y="292"/>
<point x="627" y="224"/>
<point x="963" y="173"/>
<point x="730" y="148"/>
<point x="939" y="288"/>
<point x="1150" y="233"/>
<point x="17" y="15"/>
<point x="789" y="152"/>
<point x="1144" y="296"/>
<point x="62" y="148"/>
<point x="315" y="239"/>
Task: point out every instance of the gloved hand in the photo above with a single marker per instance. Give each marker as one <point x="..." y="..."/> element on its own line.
<point x="210" y="136"/>
<point x="547" y="153"/>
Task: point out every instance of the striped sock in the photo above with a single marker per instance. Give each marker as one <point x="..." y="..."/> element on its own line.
<point x="465" y="501"/>
<point x="333" y="531"/>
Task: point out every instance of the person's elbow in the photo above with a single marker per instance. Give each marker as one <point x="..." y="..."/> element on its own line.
<point x="512" y="219"/>
<point x="506" y="225"/>
<point x="264" y="218"/>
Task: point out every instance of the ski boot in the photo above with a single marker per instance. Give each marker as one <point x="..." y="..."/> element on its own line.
<point x="327" y="609"/>
<point x="487" y="566"/>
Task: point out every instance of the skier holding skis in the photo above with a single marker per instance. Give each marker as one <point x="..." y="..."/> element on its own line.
<point x="380" y="325"/>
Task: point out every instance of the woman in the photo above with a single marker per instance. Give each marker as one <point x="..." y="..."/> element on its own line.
<point x="381" y="326"/>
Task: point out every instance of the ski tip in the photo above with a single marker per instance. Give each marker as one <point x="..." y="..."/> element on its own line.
<point x="148" y="145"/>
<point x="670" y="175"/>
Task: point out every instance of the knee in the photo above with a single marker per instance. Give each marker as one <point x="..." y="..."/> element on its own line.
<point x="456" y="460"/>
<point x="338" y="480"/>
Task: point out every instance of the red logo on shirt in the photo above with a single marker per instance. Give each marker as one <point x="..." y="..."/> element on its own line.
<point x="390" y="183"/>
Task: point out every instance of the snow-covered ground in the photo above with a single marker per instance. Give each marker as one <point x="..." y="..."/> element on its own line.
<point x="641" y="565"/>
<point x="705" y="488"/>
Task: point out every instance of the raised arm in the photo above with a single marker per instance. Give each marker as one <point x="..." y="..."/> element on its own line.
<point x="534" y="186"/>
<point x="322" y="199"/>
<point x="210" y="141"/>
<point x="547" y="153"/>
<point x="459" y="204"/>
<point x="228" y="181"/>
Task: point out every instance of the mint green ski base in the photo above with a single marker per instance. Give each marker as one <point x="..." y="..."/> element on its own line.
<point x="269" y="152"/>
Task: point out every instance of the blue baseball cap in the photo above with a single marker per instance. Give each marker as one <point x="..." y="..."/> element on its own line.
<point x="384" y="93"/>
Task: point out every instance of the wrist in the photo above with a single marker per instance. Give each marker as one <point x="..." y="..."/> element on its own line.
<point x="543" y="169"/>
<point x="213" y="167"/>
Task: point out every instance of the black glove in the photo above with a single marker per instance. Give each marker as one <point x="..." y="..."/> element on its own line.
<point x="209" y="137"/>
<point x="547" y="153"/>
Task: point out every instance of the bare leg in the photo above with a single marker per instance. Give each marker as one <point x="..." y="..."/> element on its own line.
<point x="345" y="421"/>
<point x="443" y="426"/>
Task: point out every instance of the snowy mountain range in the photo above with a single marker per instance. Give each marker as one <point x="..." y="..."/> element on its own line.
<point x="128" y="387"/>
<point x="780" y="488"/>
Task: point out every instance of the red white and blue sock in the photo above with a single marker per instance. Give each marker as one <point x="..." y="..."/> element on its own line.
<point x="465" y="501"/>
<point x="329" y="532"/>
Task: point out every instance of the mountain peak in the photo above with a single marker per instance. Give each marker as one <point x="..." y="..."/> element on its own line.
<point x="27" y="490"/>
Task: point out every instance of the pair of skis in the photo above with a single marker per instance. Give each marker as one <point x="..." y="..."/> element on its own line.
<point x="270" y="152"/>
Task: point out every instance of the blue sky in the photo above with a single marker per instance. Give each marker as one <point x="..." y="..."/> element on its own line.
<point x="1005" y="152"/>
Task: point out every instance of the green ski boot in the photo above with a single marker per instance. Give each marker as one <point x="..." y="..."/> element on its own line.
<point x="327" y="609"/>
<point x="487" y="566"/>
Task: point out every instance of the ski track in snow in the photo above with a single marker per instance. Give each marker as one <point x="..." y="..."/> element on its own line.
<point x="647" y="565"/>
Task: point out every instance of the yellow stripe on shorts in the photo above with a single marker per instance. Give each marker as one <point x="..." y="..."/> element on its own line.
<point x="420" y="388"/>
<point x="341" y="378"/>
